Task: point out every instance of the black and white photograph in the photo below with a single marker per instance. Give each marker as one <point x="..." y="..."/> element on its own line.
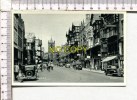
<point x="65" y="48"/>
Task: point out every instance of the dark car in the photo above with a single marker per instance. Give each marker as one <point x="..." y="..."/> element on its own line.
<point x="113" y="70"/>
<point x="78" y="65"/>
<point x="31" y="72"/>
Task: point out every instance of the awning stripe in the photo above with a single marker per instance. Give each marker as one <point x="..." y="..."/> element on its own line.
<point x="109" y="58"/>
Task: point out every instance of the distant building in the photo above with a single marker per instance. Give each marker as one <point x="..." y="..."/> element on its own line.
<point x="30" y="48"/>
<point x="34" y="49"/>
<point x="42" y="52"/>
<point x="88" y="31"/>
<point x="38" y="50"/>
<point x="73" y="40"/>
<point x="19" y="37"/>
<point x="51" y="44"/>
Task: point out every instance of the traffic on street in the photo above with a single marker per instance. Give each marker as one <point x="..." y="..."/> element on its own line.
<point x="67" y="73"/>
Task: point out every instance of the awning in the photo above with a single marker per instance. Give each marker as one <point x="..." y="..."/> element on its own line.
<point x="109" y="58"/>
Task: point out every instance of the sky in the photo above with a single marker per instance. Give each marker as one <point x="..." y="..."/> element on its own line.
<point x="45" y="26"/>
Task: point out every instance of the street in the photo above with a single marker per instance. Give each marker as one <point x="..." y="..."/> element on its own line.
<point x="62" y="74"/>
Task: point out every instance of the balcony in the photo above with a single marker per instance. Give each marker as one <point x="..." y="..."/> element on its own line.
<point x="111" y="18"/>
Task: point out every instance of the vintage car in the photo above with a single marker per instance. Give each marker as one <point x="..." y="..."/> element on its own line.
<point x="78" y="65"/>
<point x="31" y="72"/>
<point x="27" y="72"/>
<point x="67" y="65"/>
<point x="61" y="64"/>
<point x="113" y="70"/>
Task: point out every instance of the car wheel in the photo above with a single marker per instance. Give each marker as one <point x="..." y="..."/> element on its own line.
<point x="121" y="75"/>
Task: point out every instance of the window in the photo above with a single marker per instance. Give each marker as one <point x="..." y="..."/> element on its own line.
<point x="15" y="37"/>
<point x="122" y="27"/>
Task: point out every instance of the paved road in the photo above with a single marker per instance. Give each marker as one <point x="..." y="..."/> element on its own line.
<point x="62" y="74"/>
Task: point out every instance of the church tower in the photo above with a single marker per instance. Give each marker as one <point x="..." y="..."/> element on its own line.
<point x="51" y="44"/>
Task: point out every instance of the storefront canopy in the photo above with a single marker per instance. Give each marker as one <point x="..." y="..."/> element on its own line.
<point x="109" y="58"/>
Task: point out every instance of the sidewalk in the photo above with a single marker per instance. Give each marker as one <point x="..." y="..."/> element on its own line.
<point x="96" y="71"/>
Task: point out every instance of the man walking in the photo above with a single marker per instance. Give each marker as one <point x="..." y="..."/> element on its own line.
<point x="51" y="64"/>
<point x="16" y="70"/>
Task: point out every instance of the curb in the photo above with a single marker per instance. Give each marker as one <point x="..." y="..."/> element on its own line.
<point x="101" y="72"/>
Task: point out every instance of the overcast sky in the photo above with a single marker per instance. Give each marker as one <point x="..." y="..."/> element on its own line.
<point x="46" y="26"/>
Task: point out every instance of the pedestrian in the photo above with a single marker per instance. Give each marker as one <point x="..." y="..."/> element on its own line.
<point x="16" y="70"/>
<point x="20" y="68"/>
<point x="21" y="73"/>
<point x="41" y="67"/>
<point x="51" y="65"/>
<point x="48" y="67"/>
<point x="74" y="65"/>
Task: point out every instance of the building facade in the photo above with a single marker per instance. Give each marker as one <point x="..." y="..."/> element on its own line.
<point x="38" y="50"/>
<point x="102" y="34"/>
<point x="30" y="48"/>
<point x="19" y="37"/>
<point x="73" y="41"/>
<point x="33" y="52"/>
<point x="113" y="44"/>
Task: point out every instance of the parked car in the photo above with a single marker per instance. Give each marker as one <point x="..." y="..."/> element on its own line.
<point x="78" y="65"/>
<point x="30" y="72"/>
<point x="113" y="70"/>
<point x="61" y="64"/>
<point x="67" y="65"/>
